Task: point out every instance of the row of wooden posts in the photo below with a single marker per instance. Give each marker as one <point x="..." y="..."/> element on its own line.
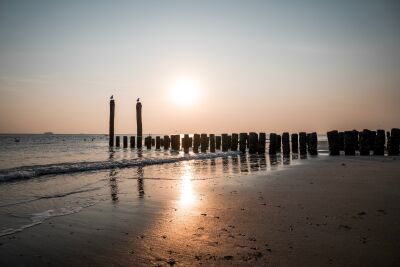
<point x="302" y="143"/>
<point x="364" y="142"/>
<point x="348" y="141"/>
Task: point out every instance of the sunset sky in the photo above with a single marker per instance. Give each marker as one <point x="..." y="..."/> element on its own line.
<point x="268" y="66"/>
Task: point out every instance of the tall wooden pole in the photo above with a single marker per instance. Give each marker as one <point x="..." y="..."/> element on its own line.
<point x="111" y="126"/>
<point x="139" y="124"/>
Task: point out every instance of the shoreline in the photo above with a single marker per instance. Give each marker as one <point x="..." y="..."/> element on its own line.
<point x="329" y="211"/>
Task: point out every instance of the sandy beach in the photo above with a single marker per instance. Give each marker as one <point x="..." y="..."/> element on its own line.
<point x="323" y="211"/>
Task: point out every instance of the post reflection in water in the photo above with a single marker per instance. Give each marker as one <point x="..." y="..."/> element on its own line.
<point x="244" y="167"/>
<point x="113" y="178"/>
<point x="113" y="185"/>
<point x="263" y="162"/>
<point x="187" y="197"/>
<point x="235" y="164"/>
<point x="140" y="183"/>
<point x="254" y="165"/>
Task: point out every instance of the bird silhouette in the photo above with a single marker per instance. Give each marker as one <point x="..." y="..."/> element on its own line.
<point x="137" y="100"/>
<point x="112" y="97"/>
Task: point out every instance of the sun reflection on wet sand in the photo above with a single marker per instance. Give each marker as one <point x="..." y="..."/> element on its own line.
<point x="187" y="196"/>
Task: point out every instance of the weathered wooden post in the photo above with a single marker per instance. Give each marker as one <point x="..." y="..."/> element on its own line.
<point x="285" y="144"/>
<point x="167" y="142"/>
<point x="203" y="142"/>
<point x="139" y="123"/>
<point x="111" y="125"/>
<point x="278" y="143"/>
<point x="253" y="142"/>
<point x="379" y="144"/>
<point x="355" y="140"/>
<point x="333" y="140"/>
<point x="303" y="143"/>
<point x="313" y="144"/>
<point x="341" y="141"/>
<point x="185" y="143"/>
<point x="229" y="142"/>
<point x="224" y="142"/>
<point x="125" y="141"/>
<point x="261" y="143"/>
<point x="212" y="143"/>
<point x="162" y="142"/>
<point x="218" y="142"/>
<point x="371" y="139"/>
<point x="295" y="143"/>
<point x="349" y="147"/>
<point x="394" y="142"/>
<point x="149" y="142"/>
<point x="158" y="142"/>
<point x="196" y="143"/>
<point x="153" y="142"/>
<point x="117" y="144"/>
<point x="234" y="142"/>
<point x="190" y="141"/>
<point x="132" y="141"/>
<point x="242" y="142"/>
<point x="272" y="144"/>
<point x="364" y="143"/>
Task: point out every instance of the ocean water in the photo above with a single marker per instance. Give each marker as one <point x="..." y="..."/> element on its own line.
<point x="44" y="176"/>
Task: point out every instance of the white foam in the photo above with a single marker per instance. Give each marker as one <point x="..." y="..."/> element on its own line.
<point x="28" y="172"/>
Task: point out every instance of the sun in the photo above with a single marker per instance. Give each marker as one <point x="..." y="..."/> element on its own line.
<point x="185" y="91"/>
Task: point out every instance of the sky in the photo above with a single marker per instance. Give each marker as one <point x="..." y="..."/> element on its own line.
<point x="239" y="66"/>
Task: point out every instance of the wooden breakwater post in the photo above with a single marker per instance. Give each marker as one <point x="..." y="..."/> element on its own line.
<point x="218" y="141"/>
<point x="341" y="141"/>
<point x="111" y="123"/>
<point x="132" y="142"/>
<point x="234" y="142"/>
<point x="379" y="144"/>
<point x="242" y="142"/>
<point x="147" y="142"/>
<point x="125" y="141"/>
<point x="313" y="144"/>
<point x="278" y="143"/>
<point x="158" y="142"/>
<point x="303" y="143"/>
<point x="349" y="146"/>
<point x="139" y="129"/>
<point x="167" y="142"/>
<point x="272" y="144"/>
<point x="364" y="142"/>
<point x="161" y="142"/>
<point x="212" y="143"/>
<point x="253" y="142"/>
<point x="204" y="142"/>
<point x="262" y="139"/>
<point x="371" y="139"/>
<point x="356" y="140"/>
<point x="117" y="141"/>
<point x="224" y="142"/>
<point x="295" y="143"/>
<point x="229" y="141"/>
<point x="196" y="143"/>
<point x="176" y="142"/>
<point x="185" y="143"/>
<point x="285" y="144"/>
<point x="394" y="142"/>
<point x="333" y="142"/>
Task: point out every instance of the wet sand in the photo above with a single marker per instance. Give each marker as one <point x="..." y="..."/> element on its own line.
<point x="327" y="211"/>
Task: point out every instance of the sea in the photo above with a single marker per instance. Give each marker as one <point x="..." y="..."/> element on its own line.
<point x="48" y="175"/>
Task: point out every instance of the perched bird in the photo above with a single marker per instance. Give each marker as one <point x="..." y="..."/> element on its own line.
<point x="137" y="100"/>
<point x="112" y="97"/>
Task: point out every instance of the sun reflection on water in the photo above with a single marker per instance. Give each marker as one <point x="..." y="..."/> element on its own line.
<point x="187" y="196"/>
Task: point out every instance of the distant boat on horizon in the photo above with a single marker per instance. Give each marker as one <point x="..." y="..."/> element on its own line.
<point x="48" y="133"/>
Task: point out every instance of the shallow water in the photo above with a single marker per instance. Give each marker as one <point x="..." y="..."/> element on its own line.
<point x="56" y="175"/>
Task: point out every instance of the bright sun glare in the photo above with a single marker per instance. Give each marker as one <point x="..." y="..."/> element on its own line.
<point x="185" y="91"/>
